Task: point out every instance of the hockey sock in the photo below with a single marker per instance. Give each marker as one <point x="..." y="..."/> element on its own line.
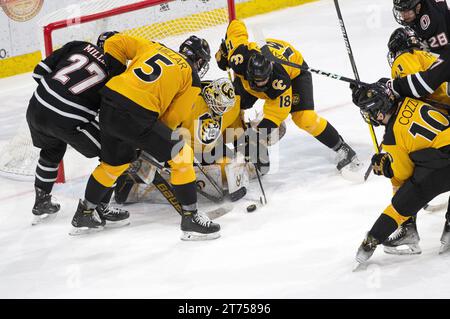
<point x="383" y="227"/>
<point x="329" y="137"/>
<point x="107" y="198"/>
<point x="46" y="174"/>
<point x="96" y="192"/>
<point x="186" y="194"/>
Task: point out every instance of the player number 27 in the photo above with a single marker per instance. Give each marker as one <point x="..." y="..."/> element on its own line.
<point x="156" y="68"/>
<point x="80" y="61"/>
<point x="438" y="123"/>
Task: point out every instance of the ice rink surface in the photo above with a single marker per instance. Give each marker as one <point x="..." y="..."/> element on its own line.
<point x="301" y="245"/>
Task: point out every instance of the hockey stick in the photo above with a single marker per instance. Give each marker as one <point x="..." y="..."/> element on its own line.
<point x="167" y="191"/>
<point x="355" y="72"/>
<point x="266" y="52"/>
<point x="212" y="198"/>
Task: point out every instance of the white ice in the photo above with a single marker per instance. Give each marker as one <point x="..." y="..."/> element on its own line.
<point x="301" y="245"/>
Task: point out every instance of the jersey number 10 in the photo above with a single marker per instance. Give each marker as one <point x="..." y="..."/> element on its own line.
<point x="425" y="112"/>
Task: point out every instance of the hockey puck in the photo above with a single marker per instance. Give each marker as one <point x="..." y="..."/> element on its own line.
<point x="251" y="208"/>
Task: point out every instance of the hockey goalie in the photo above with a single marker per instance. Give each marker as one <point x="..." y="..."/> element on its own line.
<point x="221" y="171"/>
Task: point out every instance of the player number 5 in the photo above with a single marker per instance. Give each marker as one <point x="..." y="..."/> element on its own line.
<point x="156" y="68"/>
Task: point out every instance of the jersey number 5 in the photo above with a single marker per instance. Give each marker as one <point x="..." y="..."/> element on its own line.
<point x="156" y="68"/>
<point x="438" y="123"/>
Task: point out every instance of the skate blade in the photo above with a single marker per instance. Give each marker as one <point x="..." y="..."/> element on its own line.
<point x="44" y="218"/>
<point x="193" y="236"/>
<point x="435" y="208"/>
<point x="353" y="173"/>
<point x="444" y="249"/>
<point x="76" y="231"/>
<point x="359" y="267"/>
<point x="403" y="250"/>
<point x="117" y="224"/>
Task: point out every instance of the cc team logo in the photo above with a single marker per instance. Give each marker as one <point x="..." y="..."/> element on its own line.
<point x="209" y="129"/>
<point x="237" y="59"/>
<point x="425" y="21"/>
<point x="279" y="85"/>
<point x="21" y="10"/>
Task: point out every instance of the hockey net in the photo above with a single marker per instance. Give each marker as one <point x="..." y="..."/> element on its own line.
<point x="166" y="21"/>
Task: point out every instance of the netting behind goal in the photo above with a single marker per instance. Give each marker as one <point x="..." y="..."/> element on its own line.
<point x="166" y="21"/>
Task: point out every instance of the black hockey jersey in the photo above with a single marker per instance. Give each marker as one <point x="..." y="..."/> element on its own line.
<point x="70" y="80"/>
<point x="433" y="23"/>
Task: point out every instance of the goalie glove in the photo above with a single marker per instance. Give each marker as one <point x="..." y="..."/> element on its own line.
<point x="381" y="165"/>
<point x="222" y="56"/>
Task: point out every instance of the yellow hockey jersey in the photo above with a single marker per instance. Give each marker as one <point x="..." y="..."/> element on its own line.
<point x="157" y="78"/>
<point x="205" y="130"/>
<point x="415" y="62"/>
<point x="415" y="126"/>
<point x="279" y="97"/>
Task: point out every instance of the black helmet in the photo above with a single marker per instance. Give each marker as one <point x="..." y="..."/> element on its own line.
<point x="259" y="69"/>
<point x="402" y="40"/>
<point x="401" y="6"/>
<point x="372" y="100"/>
<point x="103" y="37"/>
<point x="197" y="50"/>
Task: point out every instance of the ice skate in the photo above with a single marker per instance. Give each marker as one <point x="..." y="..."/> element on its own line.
<point x="404" y="241"/>
<point x="86" y="221"/>
<point x="113" y="216"/>
<point x="44" y="208"/>
<point x="366" y="250"/>
<point x="445" y="238"/>
<point x="346" y="157"/>
<point x="195" y="226"/>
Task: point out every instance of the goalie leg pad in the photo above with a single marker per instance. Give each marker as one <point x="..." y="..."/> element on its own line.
<point x="237" y="179"/>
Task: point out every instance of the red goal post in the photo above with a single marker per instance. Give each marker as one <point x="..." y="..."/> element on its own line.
<point x="129" y="16"/>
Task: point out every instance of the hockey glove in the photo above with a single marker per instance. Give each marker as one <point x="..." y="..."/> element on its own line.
<point x="381" y="165"/>
<point x="222" y="56"/>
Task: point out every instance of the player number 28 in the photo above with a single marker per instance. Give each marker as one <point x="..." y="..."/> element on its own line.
<point x="438" y="40"/>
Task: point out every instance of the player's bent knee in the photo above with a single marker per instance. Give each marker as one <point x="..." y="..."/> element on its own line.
<point x="309" y="121"/>
<point x="107" y="174"/>
<point x="395" y="215"/>
<point x="182" y="167"/>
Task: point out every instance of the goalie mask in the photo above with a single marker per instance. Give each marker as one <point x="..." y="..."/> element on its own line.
<point x="198" y="52"/>
<point x="219" y="95"/>
<point x="403" y="40"/>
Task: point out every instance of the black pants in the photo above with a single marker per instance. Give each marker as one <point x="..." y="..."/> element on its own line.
<point x="123" y="132"/>
<point x="431" y="177"/>
<point x="52" y="135"/>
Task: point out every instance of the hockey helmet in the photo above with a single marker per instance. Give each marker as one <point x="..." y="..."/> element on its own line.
<point x="198" y="52"/>
<point x="401" y="7"/>
<point x="259" y="70"/>
<point x="403" y="40"/>
<point x="103" y="37"/>
<point x="373" y="100"/>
